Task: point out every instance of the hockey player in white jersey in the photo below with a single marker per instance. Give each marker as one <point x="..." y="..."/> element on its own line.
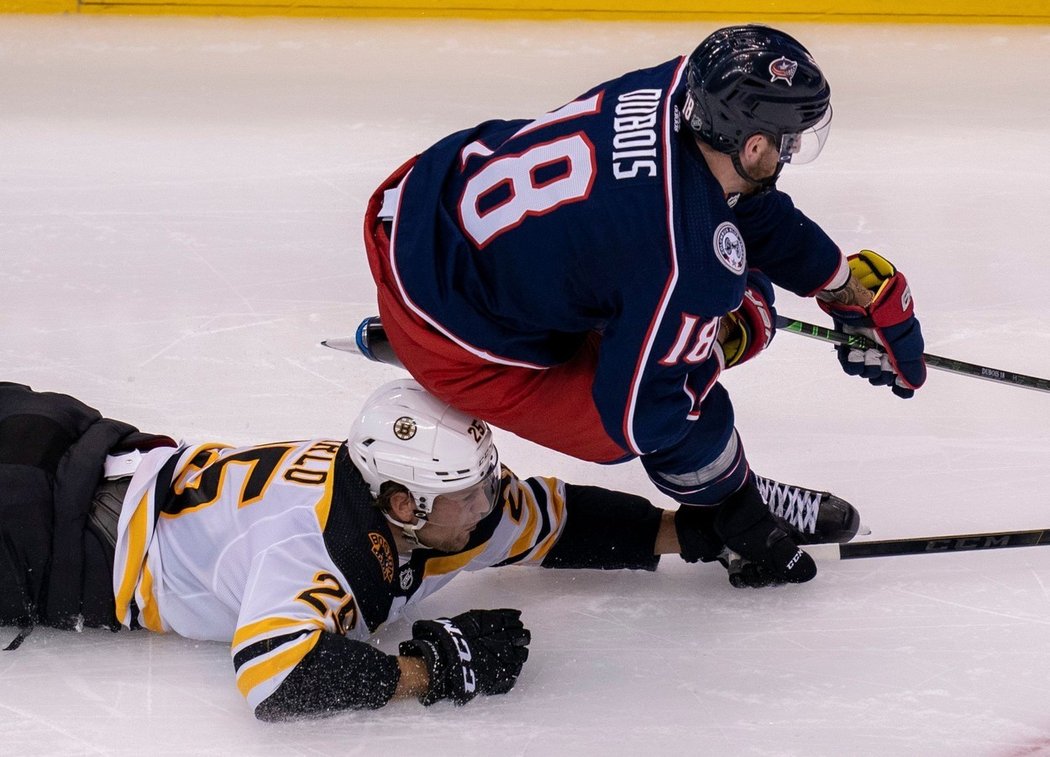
<point x="295" y="552"/>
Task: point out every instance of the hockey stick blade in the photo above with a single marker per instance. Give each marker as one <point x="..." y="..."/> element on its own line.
<point x="926" y="545"/>
<point x="933" y="361"/>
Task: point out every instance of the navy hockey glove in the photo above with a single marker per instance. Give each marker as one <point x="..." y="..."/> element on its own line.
<point x="750" y="328"/>
<point x="889" y="320"/>
<point x="759" y="551"/>
<point x="480" y="651"/>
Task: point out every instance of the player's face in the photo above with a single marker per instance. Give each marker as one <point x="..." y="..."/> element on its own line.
<point x="760" y="159"/>
<point x="454" y="517"/>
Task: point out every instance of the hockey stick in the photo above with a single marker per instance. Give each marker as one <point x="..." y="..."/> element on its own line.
<point x="933" y="361"/>
<point x="370" y="341"/>
<point x="924" y="545"/>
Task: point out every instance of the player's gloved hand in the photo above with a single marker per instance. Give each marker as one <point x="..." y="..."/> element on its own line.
<point x="750" y="328"/>
<point x="697" y="539"/>
<point x="889" y="320"/>
<point x="759" y="551"/>
<point x="476" y="651"/>
<point x="751" y="574"/>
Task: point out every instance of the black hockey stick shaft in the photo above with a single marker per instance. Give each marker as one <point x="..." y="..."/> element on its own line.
<point x="933" y="361"/>
<point x="925" y="545"/>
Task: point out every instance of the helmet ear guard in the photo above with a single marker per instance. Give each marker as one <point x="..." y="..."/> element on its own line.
<point x="384" y="503"/>
<point x="405" y="435"/>
<point x="744" y="80"/>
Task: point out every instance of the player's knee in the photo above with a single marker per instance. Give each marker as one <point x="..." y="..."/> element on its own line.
<point x="713" y="480"/>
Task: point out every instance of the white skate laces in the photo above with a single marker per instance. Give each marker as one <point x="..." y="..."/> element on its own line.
<point x="814" y="517"/>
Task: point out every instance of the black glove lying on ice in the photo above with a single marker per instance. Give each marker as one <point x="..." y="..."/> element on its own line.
<point x="480" y="651"/>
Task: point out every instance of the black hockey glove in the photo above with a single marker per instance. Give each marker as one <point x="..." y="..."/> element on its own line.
<point x="759" y="550"/>
<point x="749" y="574"/>
<point x="697" y="538"/>
<point x="480" y="651"/>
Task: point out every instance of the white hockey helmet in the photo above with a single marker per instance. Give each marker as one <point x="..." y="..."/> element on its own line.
<point x="405" y="435"/>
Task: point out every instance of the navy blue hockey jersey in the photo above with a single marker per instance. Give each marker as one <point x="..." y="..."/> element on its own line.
<point x="516" y="239"/>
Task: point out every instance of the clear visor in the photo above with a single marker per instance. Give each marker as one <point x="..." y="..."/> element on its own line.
<point x="467" y="506"/>
<point x="805" y="146"/>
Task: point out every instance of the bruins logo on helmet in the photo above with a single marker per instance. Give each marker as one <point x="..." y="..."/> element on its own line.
<point x="404" y="428"/>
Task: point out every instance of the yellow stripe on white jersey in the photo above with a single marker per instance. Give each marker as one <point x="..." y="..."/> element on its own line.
<point x="553" y="495"/>
<point x="149" y="612"/>
<point x="452" y="563"/>
<point x="130" y="556"/>
<point x="230" y="534"/>
<point x="262" y="676"/>
<point x="266" y="628"/>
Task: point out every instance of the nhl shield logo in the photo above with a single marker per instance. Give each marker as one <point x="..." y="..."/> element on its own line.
<point x="404" y="428"/>
<point x="783" y="69"/>
<point x="406" y="578"/>
<point x="729" y="247"/>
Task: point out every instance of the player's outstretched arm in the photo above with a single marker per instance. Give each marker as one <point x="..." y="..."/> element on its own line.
<point x="336" y="674"/>
<point x="611" y="530"/>
<point x="606" y="530"/>
<point x="480" y="651"/>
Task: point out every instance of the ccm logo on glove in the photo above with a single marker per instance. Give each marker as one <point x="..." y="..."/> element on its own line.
<point x="470" y="683"/>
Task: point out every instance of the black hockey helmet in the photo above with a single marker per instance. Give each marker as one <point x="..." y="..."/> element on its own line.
<point x="749" y="79"/>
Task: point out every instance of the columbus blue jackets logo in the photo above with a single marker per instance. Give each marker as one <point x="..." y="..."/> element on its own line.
<point x="783" y="69"/>
<point x="729" y="247"/>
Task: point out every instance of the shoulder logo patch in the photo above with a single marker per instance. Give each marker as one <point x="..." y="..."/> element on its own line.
<point x="729" y="247"/>
<point x="383" y="554"/>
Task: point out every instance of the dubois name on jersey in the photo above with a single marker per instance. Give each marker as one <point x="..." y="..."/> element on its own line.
<point x="551" y="229"/>
<point x="518" y="240"/>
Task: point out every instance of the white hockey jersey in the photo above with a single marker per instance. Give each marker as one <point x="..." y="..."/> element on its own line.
<point x="272" y="547"/>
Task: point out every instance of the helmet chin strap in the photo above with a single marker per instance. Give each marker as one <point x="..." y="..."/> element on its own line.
<point x="758" y="184"/>
<point x="409" y="530"/>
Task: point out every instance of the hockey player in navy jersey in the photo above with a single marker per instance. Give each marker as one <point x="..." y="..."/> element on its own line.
<point x="583" y="278"/>
<point x="294" y="552"/>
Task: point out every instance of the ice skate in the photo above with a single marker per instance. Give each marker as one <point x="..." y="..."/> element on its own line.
<point x="813" y="517"/>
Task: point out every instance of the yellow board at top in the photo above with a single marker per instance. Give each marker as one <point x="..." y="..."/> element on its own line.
<point x="899" y="11"/>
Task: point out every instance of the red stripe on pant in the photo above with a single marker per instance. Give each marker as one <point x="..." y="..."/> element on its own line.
<point x="553" y="407"/>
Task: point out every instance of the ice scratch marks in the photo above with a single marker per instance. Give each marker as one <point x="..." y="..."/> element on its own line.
<point x="206" y="331"/>
<point x="975" y="608"/>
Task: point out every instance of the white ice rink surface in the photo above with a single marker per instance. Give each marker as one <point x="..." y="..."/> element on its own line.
<point x="180" y="205"/>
